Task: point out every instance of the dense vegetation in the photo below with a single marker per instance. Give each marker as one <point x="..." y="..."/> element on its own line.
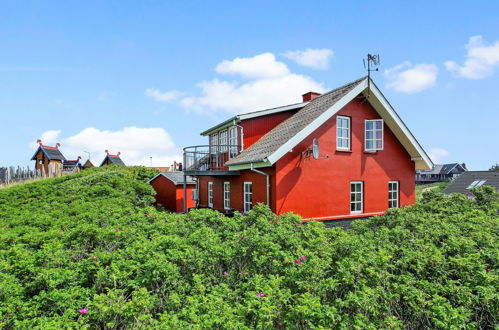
<point x="89" y="251"/>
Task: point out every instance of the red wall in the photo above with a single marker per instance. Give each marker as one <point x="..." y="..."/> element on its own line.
<point x="255" y="128"/>
<point x="236" y="189"/>
<point x="321" y="188"/>
<point x="170" y="196"/>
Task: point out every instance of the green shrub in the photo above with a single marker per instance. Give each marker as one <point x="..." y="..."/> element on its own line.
<point x="93" y="240"/>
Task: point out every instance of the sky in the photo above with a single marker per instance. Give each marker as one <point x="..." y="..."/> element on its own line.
<point x="146" y="77"/>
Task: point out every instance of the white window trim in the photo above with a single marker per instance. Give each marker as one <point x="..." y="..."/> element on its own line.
<point x="246" y="210"/>
<point x="227" y="195"/>
<point x="374" y="135"/>
<point x="348" y="148"/>
<point x="397" y="199"/>
<point x="214" y="144"/>
<point x="233" y="138"/>
<point x="361" y="197"/>
<point x="223" y="140"/>
<point x="210" y="194"/>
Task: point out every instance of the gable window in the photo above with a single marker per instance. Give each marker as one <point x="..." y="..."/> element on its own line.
<point x="393" y="194"/>
<point x="342" y="133"/>
<point x="233" y="141"/>
<point x="356" y="197"/>
<point x="374" y="135"/>
<point x="213" y="143"/>
<point x="226" y="195"/>
<point x="210" y="194"/>
<point x="223" y="141"/>
<point x="248" y="196"/>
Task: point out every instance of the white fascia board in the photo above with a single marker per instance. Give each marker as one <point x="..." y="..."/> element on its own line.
<point x="394" y="119"/>
<point x="291" y="143"/>
<point x="271" y="111"/>
<point x="246" y="166"/>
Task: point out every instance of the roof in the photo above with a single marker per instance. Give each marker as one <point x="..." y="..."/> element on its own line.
<point x="114" y="159"/>
<point x="282" y="138"/>
<point x="461" y="183"/>
<point x="253" y="114"/>
<point x="176" y="177"/>
<point x="88" y="163"/>
<point x="52" y="153"/>
<point x="441" y="168"/>
<point x="71" y="162"/>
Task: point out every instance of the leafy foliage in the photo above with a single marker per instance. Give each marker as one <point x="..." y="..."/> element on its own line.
<point x="89" y="251"/>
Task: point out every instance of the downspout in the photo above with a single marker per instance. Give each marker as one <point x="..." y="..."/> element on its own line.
<point x="185" y="193"/>
<point x="268" y="182"/>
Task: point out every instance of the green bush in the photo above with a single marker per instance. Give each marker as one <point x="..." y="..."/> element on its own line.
<point x="92" y="240"/>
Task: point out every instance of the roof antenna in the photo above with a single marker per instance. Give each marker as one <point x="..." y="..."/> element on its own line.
<point x="372" y="65"/>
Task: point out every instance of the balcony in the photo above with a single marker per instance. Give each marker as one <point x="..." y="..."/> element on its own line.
<point x="209" y="159"/>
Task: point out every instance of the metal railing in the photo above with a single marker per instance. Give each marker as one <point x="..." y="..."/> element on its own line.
<point x="209" y="157"/>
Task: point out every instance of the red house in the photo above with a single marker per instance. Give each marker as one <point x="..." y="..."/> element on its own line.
<point x="169" y="188"/>
<point x="343" y="154"/>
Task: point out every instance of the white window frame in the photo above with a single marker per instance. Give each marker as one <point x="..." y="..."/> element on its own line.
<point x="227" y="195"/>
<point x="233" y="140"/>
<point x="247" y="197"/>
<point x="357" y="193"/>
<point x="210" y="194"/>
<point x="393" y="194"/>
<point x="223" y="141"/>
<point x="214" y="144"/>
<point x="374" y="139"/>
<point x="340" y="129"/>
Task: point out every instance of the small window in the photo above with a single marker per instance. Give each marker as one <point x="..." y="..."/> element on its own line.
<point x="210" y="194"/>
<point x="476" y="183"/>
<point x="226" y="195"/>
<point x="223" y="141"/>
<point x="393" y="194"/>
<point x="356" y="197"/>
<point x="213" y="143"/>
<point x="343" y="133"/>
<point x="248" y="196"/>
<point x="374" y="135"/>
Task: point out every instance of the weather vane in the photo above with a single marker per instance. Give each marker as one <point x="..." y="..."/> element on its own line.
<point x="372" y="65"/>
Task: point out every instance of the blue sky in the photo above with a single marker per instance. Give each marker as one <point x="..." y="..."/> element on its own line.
<point x="145" y="78"/>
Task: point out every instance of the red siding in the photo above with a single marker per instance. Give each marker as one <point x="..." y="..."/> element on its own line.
<point x="170" y="196"/>
<point x="255" y="128"/>
<point x="321" y="188"/>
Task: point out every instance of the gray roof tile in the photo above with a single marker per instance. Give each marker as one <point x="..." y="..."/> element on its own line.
<point x="462" y="182"/>
<point x="176" y="177"/>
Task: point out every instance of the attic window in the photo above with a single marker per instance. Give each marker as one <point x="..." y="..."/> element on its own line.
<point x="476" y="183"/>
<point x="374" y="135"/>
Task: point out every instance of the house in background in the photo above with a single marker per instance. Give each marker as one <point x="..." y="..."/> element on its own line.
<point x="48" y="160"/>
<point x="470" y="179"/>
<point x="112" y="159"/>
<point x="170" y="191"/>
<point x="87" y="164"/>
<point x="72" y="166"/>
<point x="440" y="173"/>
<point x="343" y="154"/>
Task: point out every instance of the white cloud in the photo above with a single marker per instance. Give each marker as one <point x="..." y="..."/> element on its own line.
<point x="163" y="97"/>
<point x="259" y="66"/>
<point x="48" y="137"/>
<point x="313" y="58"/>
<point x="480" y="60"/>
<point x="438" y="155"/>
<point x="135" y="144"/>
<point x="263" y="82"/>
<point x="408" y="78"/>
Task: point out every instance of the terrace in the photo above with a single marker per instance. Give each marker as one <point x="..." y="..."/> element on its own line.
<point x="210" y="159"/>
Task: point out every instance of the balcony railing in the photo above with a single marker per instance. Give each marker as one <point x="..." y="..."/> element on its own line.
<point x="209" y="157"/>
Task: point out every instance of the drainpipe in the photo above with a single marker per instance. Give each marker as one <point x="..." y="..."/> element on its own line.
<point x="268" y="182"/>
<point x="185" y="193"/>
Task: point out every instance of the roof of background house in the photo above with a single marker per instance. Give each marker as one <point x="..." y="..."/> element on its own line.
<point x="176" y="177"/>
<point x="280" y="134"/>
<point x="441" y="169"/>
<point x="74" y="162"/>
<point x="161" y="168"/>
<point x="461" y="183"/>
<point x="52" y="153"/>
<point x="114" y="159"/>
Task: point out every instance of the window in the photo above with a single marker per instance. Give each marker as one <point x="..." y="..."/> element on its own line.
<point x="393" y="194"/>
<point x="356" y="198"/>
<point x="248" y="196"/>
<point x="223" y="141"/>
<point x="210" y="194"/>
<point x="213" y="143"/>
<point x="374" y="135"/>
<point x="233" y="141"/>
<point x="343" y="133"/>
<point x="476" y="183"/>
<point x="226" y="195"/>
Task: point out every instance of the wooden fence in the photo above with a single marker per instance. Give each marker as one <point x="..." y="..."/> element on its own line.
<point x="14" y="174"/>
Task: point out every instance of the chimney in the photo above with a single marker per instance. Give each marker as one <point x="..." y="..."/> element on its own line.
<point x="310" y="96"/>
<point x="106" y="151"/>
<point x="180" y="167"/>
